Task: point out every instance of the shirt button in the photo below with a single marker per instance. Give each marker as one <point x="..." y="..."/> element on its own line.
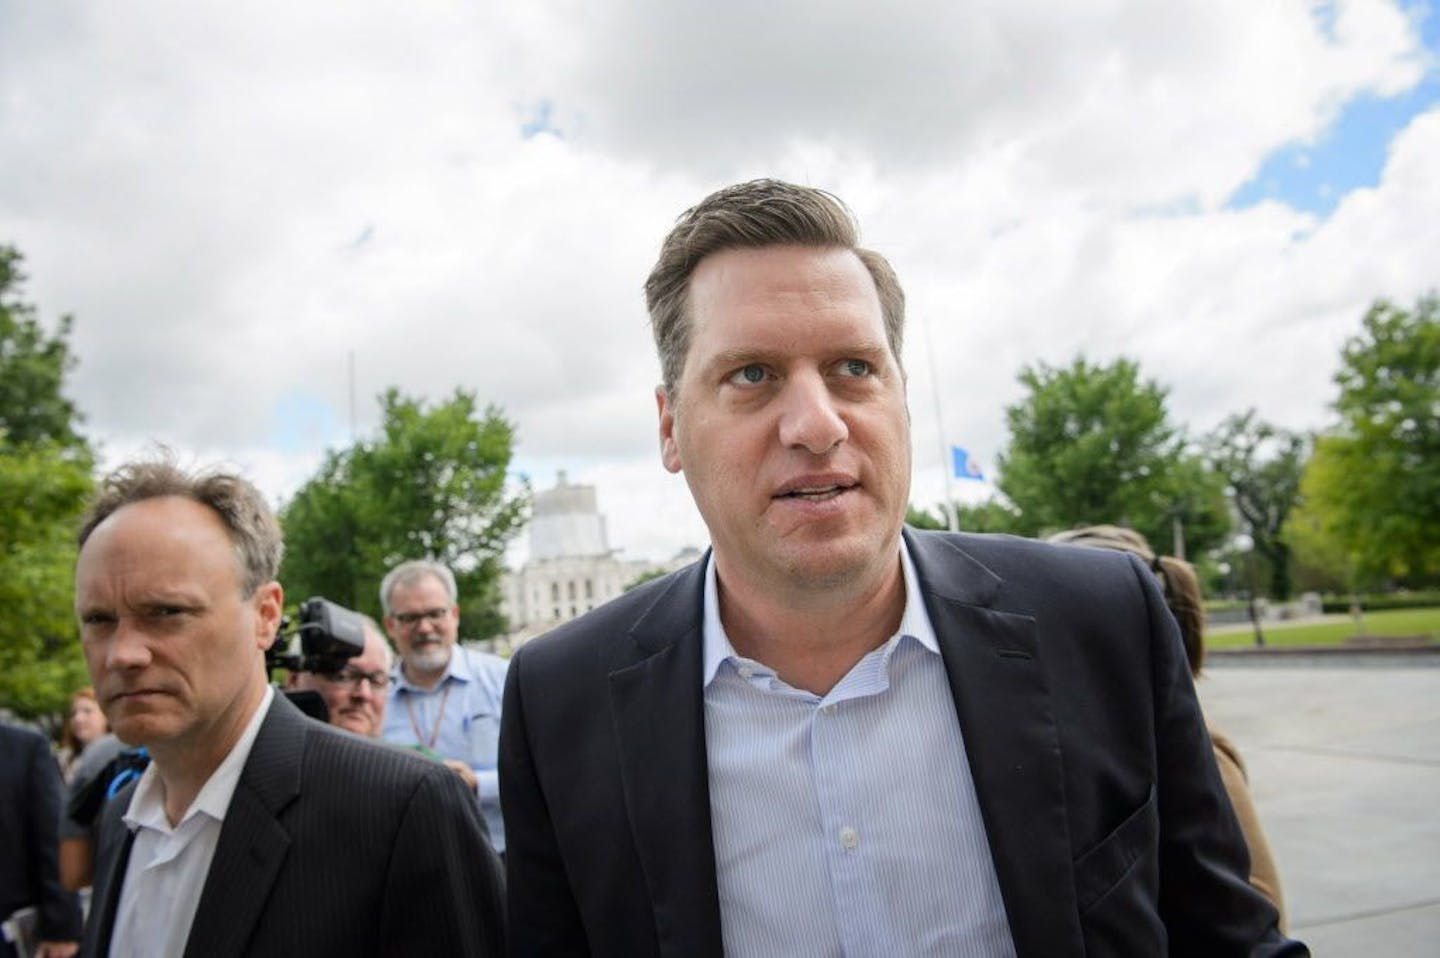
<point x="746" y="672"/>
<point x="849" y="839"/>
<point x="828" y="709"/>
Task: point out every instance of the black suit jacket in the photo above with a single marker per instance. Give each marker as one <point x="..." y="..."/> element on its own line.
<point x="1105" y="814"/>
<point x="332" y="845"/>
<point x="29" y="836"/>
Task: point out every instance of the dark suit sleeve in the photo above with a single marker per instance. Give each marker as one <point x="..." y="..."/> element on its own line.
<point x="1208" y="906"/>
<point x="544" y="918"/>
<point x="59" y="909"/>
<point x="444" y="890"/>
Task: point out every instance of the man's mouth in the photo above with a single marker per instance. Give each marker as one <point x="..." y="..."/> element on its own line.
<point x="131" y="695"/>
<point x="815" y="495"/>
<point x="815" y="490"/>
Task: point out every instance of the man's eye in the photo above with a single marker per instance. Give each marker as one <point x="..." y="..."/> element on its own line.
<point x="856" y="368"/>
<point x="748" y="375"/>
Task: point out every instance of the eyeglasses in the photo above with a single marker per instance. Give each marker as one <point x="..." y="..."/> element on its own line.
<point x="411" y="619"/>
<point x="353" y="677"/>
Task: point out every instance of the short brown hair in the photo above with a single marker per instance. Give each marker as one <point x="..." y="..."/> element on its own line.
<point x="754" y="215"/>
<point x="240" y="506"/>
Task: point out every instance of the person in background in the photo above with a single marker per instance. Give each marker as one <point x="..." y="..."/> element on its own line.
<point x="253" y="830"/>
<point x="78" y="816"/>
<point x="444" y="698"/>
<point x="29" y="873"/>
<point x="85" y="724"/>
<point x="354" y="696"/>
<point x="1182" y="594"/>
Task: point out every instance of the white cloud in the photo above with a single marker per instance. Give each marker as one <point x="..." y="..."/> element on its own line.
<point x="234" y="200"/>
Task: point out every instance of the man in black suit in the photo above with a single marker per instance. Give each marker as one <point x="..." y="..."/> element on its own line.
<point x="833" y="735"/>
<point x="254" y="830"/>
<point x="29" y="823"/>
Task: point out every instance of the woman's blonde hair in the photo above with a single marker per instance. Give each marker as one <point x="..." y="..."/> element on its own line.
<point x="1177" y="577"/>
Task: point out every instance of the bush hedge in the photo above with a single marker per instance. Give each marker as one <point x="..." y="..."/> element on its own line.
<point x="1383" y="600"/>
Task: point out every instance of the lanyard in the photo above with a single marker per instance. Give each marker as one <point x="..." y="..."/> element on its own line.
<point x="439" y="717"/>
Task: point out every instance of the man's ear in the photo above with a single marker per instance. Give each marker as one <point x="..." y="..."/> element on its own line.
<point x="669" y="451"/>
<point x="269" y="608"/>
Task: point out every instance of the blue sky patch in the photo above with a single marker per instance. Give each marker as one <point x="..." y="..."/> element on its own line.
<point x="302" y="422"/>
<point x="1350" y="155"/>
<point x="539" y="118"/>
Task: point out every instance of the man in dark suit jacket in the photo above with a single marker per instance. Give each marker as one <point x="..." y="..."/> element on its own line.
<point x="332" y="846"/>
<point x="254" y="830"/>
<point x="29" y="823"/>
<point x="741" y="758"/>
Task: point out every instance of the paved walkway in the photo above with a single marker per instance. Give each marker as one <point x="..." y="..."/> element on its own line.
<point x="1344" y="766"/>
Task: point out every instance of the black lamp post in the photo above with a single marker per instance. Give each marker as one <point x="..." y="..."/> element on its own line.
<point x="1246" y="546"/>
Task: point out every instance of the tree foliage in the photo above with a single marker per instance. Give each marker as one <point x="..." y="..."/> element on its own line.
<point x="1094" y="444"/>
<point x="1374" y="482"/>
<point x="45" y="467"/>
<point x="1262" y="465"/>
<point x="991" y="515"/>
<point x="432" y="485"/>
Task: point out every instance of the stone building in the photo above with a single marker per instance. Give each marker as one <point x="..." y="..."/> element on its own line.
<point x="571" y="568"/>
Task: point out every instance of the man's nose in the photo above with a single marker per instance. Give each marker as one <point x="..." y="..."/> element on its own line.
<point x="129" y="648"/>
<point x="810" y="416"/>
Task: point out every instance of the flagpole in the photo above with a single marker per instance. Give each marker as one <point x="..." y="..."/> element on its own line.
<point x="951" y="519"/>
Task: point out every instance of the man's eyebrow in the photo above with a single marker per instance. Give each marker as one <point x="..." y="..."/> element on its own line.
<point x="740" y="356"/>
<point x="863" y="350"/>
<point x="744" y="355"/>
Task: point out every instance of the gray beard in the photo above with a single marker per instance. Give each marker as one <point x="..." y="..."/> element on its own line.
<point x="430" y="659"/>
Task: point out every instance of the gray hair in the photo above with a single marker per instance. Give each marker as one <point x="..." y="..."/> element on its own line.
<point x="239" y="505"/>
<point x="371" y="626"/>
<point x="755" y="215"/>
<point x="409" y="573"/>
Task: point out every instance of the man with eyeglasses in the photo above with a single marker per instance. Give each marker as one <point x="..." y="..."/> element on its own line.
<point x="356" y="695"/>
<point x="444" y="698"/>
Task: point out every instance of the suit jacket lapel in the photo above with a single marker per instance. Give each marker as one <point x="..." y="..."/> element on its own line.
<point x="252" y="843"/>
<point x="659" y="714"/>
<point x="993" y="660"/>
<point x="113" y="858"/>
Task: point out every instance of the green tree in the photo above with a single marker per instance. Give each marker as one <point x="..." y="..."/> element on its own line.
<point x="991" y="515"/>
<point x="431" y="485"/>
<point x="45" y="479"/>
<point x="1262" y="465"/>
<point x="1319" y="560"/>
<point x="644" y="577"/>
<point x="1092" y="444"/>
<point x="1374" y="481"/>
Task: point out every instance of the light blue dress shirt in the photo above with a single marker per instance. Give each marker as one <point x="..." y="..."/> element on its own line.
<point x="463" y="713"/>
<point x="847" y="824"/>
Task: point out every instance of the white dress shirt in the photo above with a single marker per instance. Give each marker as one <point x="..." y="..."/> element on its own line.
<point x="847" y="824"/>
<point x="168" y="866"/>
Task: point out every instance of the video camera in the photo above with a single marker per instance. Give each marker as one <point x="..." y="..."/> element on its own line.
<point x="330" y="635"/>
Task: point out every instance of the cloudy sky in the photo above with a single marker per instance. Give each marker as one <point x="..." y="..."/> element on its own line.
<point x="236" y="199"/>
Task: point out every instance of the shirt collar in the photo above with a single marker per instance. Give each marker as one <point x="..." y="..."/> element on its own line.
<point x="147" y="806"/>
<point x="915" y="622"/>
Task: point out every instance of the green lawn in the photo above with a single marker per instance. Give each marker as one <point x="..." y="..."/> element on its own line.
<point x="1395" y="622"/>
